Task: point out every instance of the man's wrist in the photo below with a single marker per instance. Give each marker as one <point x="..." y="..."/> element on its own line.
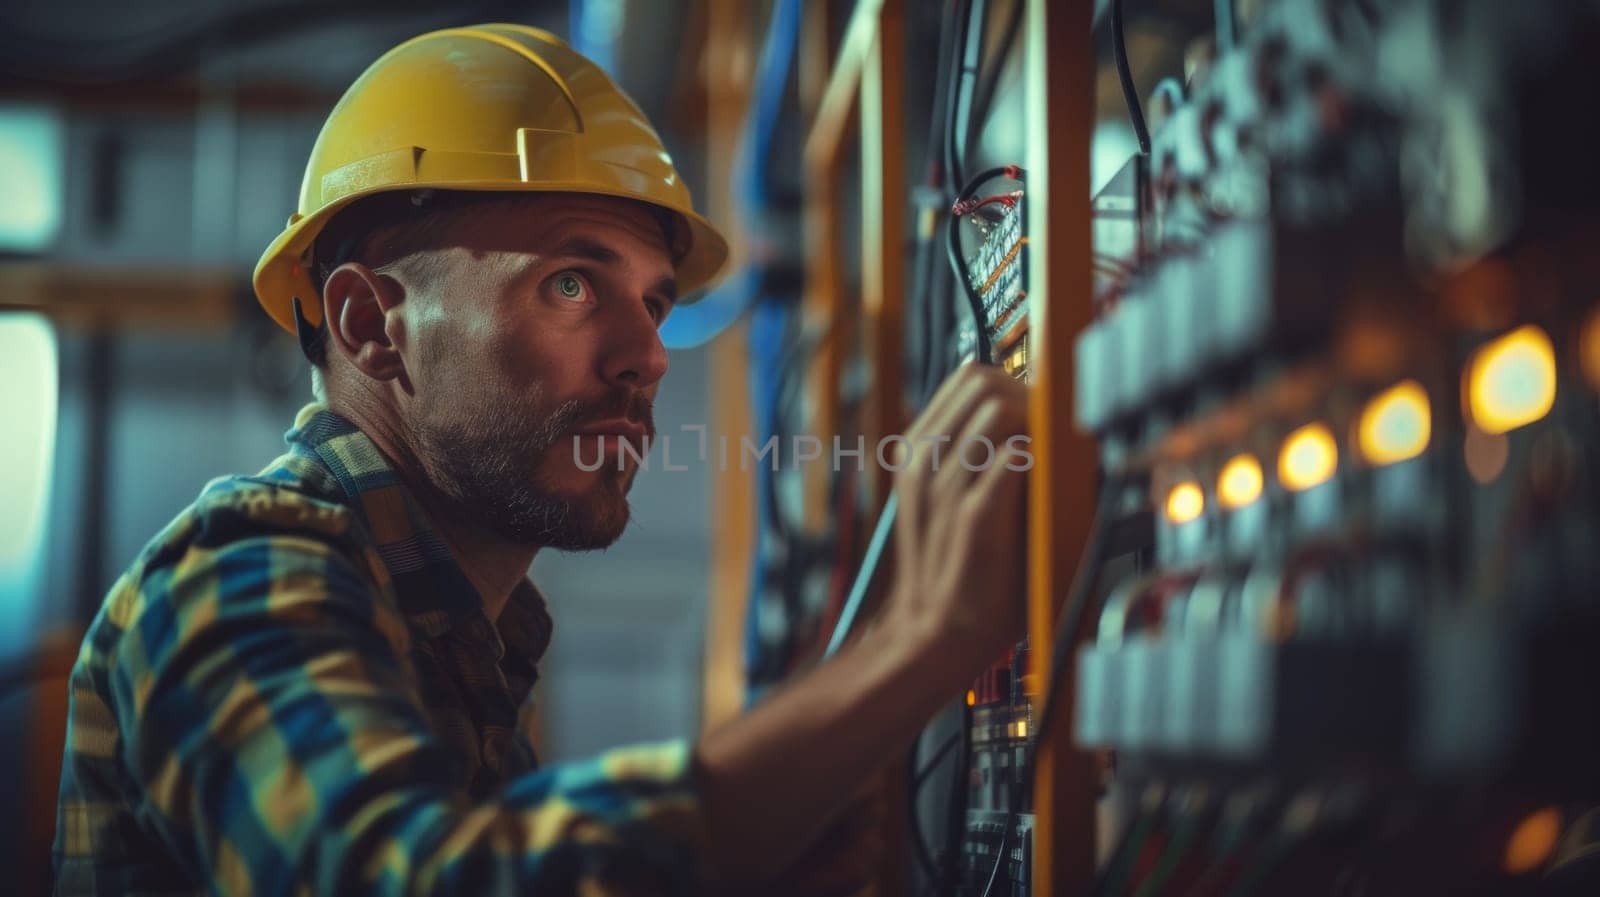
<point x="931" y="648"/>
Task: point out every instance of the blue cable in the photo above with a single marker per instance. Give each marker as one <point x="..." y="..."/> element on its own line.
<point x="694" y="325"/>
<point x="869" y="566"/>
<point x="770" y="314"/>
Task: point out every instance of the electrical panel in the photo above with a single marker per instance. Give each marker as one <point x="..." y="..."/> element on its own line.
<point x="1001" y="739"/>
<point x="1344" y="349"/>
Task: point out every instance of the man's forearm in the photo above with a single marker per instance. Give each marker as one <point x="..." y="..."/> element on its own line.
<point x="772" y="778"/>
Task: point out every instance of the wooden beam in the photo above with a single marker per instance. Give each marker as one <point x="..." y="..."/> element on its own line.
<point x="201" y="297"/>
<point x="883" y="213"/>
<point x="729" y="49"/>
<point x="823" y="298"/>
<point x="826" y="139"/>
<point x="181" y="94"/>
<point x="1059" y="98"/>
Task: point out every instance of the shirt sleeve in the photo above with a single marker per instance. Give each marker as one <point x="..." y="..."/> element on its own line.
<point x="278" y="747"/>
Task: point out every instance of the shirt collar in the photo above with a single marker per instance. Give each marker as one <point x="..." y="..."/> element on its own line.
<point x="431" y="588"/>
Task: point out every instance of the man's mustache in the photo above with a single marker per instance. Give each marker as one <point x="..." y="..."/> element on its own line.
<point x="632" y="406"/>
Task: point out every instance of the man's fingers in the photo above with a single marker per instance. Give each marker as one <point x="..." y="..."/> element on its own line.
<point x="964" y="413"/>
<point x="953" y="404"/>
<point x="957" y="380"/>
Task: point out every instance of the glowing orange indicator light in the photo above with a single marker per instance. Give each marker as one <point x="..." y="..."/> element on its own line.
<point x="1308" y="458"/>
<point x="1185" y="502"/>
<point x="972" y="697"/>
<point x="1396" y="425"/>
<point x="1533" y="841"/>
<point x="1511" y="382"/>
<point x="1589" y="349"/>
<point x="1240" y="482"/>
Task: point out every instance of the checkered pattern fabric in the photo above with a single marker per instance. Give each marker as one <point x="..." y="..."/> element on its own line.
<point x="295" y="690"/>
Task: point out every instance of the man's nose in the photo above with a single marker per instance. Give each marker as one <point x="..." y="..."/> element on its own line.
<point x="633" y="354"/>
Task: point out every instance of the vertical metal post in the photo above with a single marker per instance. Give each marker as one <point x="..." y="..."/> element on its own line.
<point x="1059" y="66"/>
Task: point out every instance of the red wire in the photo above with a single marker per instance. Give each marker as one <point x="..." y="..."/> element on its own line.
<point x="968" y="206"/>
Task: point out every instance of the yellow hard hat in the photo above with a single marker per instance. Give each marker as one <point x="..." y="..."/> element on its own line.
<point x="489" y="108"/>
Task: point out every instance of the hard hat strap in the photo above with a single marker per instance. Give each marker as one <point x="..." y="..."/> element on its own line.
<point x="311" y="347"/>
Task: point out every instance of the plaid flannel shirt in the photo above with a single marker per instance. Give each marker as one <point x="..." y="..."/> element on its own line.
<point x="295" y="690"/>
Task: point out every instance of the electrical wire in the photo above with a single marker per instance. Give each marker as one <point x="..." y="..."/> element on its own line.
<point x="1130" y="93"/>
<point x="956" y="809"/>
<point x="974" y="301"/>
<point x="1117" y="870"/>
<point x="1274" y="852"/>
<point x="973" y="204"/>
<point x="930" y="290"/>
<point x="959" y="118"/>
<point x="1185" y="832"/>
<point x="983" y="101"/>
<point x="927" y="768"/>
<point x="917" y="776"/>
<point x="1075" y="609"/>
<point x="924" y="855"/>
<point x="869" y="566"/>
<point x="1000" y="854"/>
<point x="1227" y="26"/>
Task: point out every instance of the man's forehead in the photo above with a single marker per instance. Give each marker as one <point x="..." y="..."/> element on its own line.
<point x="554" y="216"/>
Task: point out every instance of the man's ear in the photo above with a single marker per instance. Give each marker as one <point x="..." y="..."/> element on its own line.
<point x="365" y="325"/>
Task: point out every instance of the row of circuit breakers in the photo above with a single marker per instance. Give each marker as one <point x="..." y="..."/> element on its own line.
<point x="1346" y="353"/>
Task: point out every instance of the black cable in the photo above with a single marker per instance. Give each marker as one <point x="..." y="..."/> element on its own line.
<point x="1112" y="877"/>
<point x="1074" y="610"/>
<point x="1227" y="26"/>
<point x="1185" y="831"/>
<point x="930" y="289"/>
<point x="974" y="300"/>
<point x="959" y="118"/>
<point x="956" y="809"/>
<point x="924" y="855"/>
<point x="983" y="101"/>
<point x="927" y="768"/>
<point x="1130" y="93"/>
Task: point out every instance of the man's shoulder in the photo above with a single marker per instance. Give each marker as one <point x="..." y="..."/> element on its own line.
<point x="242" y="507"/>
<point x="248" y="547"/>
<point x="234" y="518"/>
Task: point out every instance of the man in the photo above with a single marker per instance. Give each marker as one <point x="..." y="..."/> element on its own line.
<point x="310" y="682"/>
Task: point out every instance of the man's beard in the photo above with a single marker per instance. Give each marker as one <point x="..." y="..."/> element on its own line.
<point x="488" y="465"/>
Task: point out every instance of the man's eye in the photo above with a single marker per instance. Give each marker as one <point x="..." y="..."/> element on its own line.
<point x="571" y="286"/>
